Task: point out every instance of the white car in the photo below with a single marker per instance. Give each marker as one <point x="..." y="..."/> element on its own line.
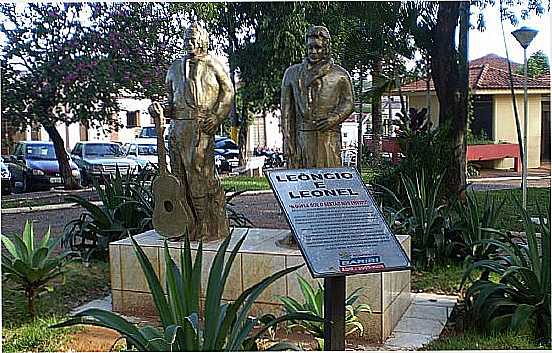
<point x="144" y="152"/>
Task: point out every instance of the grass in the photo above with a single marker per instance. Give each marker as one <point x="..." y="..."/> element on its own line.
<point x="241" y="183"/>
<point x="471" y="340"/>
<point x="36" y="336"/>
<point x="510" y="218"/>
<point x="81" y="284"/>
<point x="443" y="279"/>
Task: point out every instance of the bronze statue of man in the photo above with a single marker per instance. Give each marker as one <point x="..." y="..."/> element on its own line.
<point x="200" y="96"/>
<point x="317" y="96"/>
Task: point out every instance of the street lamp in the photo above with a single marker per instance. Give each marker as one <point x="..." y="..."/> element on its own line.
<point x="524" y="36"/>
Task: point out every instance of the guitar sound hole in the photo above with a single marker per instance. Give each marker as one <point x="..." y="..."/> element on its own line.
<point x="168" y="206"/>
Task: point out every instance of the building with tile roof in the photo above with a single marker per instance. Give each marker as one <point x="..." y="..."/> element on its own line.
<point x="493" y="108"/>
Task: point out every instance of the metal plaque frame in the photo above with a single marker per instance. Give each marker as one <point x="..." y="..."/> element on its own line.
<point x="355" y="184"/>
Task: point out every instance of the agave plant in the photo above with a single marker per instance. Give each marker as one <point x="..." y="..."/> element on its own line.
<point x="522" y="295"/>
<point x="226" y="326"/>
<point x="31" y="265"/>
<point x="426" y="223"/>
<point x="471" y="223"/>
<point x="314" y="305"/>
<point x="127" y="206"/>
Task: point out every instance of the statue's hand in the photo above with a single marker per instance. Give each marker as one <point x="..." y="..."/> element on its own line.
<point x="155" y="109"/>
<point x="210" y="124"/>
<point x="326" y="123"/>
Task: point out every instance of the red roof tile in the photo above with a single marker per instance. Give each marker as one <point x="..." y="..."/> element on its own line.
<point x="495" y="61"/>
<point x="484" y="77"/>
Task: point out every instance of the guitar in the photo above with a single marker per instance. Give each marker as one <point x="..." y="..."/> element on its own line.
<point x="170" y="217"/>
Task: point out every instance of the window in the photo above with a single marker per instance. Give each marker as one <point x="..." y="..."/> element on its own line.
<point x="133" y="118"/>
<point x="103" y="149"/>
<point x="77" y="150"/>
<point x="132" y="149"/>
<point x="482" y="124"/>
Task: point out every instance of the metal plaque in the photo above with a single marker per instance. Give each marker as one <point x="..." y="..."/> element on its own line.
<point x="339" y="228"/>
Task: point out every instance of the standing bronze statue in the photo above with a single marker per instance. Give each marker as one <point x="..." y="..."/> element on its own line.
<point x="317" y="96"/>
<point x="200" y="96"/>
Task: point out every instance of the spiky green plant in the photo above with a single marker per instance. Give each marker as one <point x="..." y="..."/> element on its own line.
<point x="470" y="222"/>
<point x="313" y="303"/>
<point x="426" y="221"/>
<point x="127" y="206"/>
<point x="31" y="264"/>
<point x="226" y="326"/>
<point x="521" y="298"/>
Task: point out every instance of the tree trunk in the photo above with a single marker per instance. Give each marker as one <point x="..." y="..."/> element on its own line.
<point x="242" y="135"/>
<point x="450" y="80"/>
<point x="376" y="109"/>
<point x="31" y="294"/>
<point x="69" y="180"/>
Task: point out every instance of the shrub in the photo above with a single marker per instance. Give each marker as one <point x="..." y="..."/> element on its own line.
<point x="426" y="220"/>
<point x="314" y="305"/>
<point x="31" y="265"/>
<point x="522" y="295"/>
<point x="471" y="222"/>
<point x="127" y="207"/>
<point x="226" y="326"/>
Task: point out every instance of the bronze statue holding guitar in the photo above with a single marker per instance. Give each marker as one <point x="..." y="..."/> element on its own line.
<point x="200" y="96"/>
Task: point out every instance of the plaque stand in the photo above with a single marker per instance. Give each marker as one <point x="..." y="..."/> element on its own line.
<point x="334" y="313"/>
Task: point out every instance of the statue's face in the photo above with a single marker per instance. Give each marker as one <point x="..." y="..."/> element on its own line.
<point x="192" y="43"/>
<point x="316" y="50"/>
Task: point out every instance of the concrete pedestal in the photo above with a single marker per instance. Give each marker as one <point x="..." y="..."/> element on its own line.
<point x="388" y="294"/>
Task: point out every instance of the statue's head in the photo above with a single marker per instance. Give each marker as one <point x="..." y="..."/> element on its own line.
<point x="196" y="39"/>
<point x="318" y="44"/>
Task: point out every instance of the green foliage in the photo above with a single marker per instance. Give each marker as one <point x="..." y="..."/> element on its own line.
<point x="314" y="305"/>
<point x="511" y="219"/>
<point x="473" y="340"/>
<point x="36" y="336"/>
<point x="226" y="326"/>
<point x="537" y="65"/>
<point x="127" y="207"/>
<point x="242" y="183"/>
<point x="471" y="221"/>
<point x="521" y="298"/>
<point x="444" y="279"/>
<point x="31" y="265"/>
<point x="426" y="220"/>
<point x="53" y="71"/>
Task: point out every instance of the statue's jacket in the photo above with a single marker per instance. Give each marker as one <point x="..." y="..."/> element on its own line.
<point x="309" y="93"/>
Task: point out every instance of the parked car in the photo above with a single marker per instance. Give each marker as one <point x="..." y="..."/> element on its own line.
<point x="228" y="149"/>
<point x="97" y="159"/>
<point x="144" y="152"/>
<point x="6" y="178"/>
<point x="34" y="166"/>
<point x="148" y="132"/>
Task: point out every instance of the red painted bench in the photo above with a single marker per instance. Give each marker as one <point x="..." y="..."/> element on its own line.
<point x="474" y="152"/>
<point x="495" y="151"/>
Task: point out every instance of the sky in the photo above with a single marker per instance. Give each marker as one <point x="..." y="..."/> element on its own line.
<point x="491" y="41"/>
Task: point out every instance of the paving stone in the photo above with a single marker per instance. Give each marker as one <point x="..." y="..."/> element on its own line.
<point x="406" y="341"/>
<point x="434" y="299"/>
<point x="437" y="313"/>
<point x="419" y="326"/>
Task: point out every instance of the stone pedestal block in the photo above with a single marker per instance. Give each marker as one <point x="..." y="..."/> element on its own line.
<point x="388" y="294"/>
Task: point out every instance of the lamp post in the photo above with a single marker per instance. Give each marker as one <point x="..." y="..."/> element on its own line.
<point x="524" y="36"/>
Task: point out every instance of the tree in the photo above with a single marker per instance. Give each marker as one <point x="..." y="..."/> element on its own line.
<point x="141" y="40"/>
<point x="537" y="65"/>
<point x="54" y="73"/>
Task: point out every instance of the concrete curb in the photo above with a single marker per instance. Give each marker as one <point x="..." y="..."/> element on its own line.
<point x="63" y="206"/>
<point x="43" y="208"/>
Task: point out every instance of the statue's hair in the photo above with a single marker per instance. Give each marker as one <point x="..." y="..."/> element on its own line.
<point x="320" y="32"/>
<point x="203" y="36"/>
